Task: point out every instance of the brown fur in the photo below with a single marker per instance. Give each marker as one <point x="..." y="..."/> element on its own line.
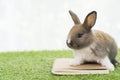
<point x="106" y="45"/>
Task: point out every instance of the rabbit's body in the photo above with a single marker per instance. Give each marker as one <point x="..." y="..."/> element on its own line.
<point x="97" y="50"/>
<point x="91" y="45"/>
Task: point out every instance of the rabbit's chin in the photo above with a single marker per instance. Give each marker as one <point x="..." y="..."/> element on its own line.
<point x="75" y="47"/>
<point x="78" y="46"/>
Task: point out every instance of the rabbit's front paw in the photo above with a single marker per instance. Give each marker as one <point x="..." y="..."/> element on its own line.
<point x="75" y="62"/>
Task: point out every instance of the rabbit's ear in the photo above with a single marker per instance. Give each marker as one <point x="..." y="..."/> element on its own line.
<point x="74" y="17"/>
<point x="90" y="20"/>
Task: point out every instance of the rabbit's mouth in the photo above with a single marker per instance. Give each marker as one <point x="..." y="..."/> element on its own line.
<point x="73" y="45"/>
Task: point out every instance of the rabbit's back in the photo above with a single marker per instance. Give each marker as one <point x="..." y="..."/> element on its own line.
<point x="101" y="36"/>
<point x="105" y="45"/>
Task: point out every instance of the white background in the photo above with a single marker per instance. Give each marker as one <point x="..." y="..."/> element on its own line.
<point x="44" y="24"/>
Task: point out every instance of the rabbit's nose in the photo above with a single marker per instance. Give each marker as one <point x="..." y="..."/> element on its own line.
<point x="69" y="43"/>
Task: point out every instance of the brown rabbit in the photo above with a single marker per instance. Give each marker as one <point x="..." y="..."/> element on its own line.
<point x="91" y="45"/>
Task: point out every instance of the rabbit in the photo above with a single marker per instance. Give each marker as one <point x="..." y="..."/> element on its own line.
<point x="90" y="45"/>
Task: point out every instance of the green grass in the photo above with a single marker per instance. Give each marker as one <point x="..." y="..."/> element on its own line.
<point x="37" y="66"/>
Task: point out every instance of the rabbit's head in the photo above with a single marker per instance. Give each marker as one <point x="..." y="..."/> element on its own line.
<point x="81" y="35"/>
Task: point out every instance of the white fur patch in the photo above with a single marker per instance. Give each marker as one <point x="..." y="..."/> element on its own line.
<point x="69" y="40"/>
<point x="86" y="54"/>
<point x="106" y="62"/>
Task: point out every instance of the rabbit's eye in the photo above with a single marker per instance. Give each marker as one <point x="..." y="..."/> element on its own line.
<point x="79" y="35"/>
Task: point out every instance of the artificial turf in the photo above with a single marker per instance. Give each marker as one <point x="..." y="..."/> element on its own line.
<point x="37" y="65"/>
